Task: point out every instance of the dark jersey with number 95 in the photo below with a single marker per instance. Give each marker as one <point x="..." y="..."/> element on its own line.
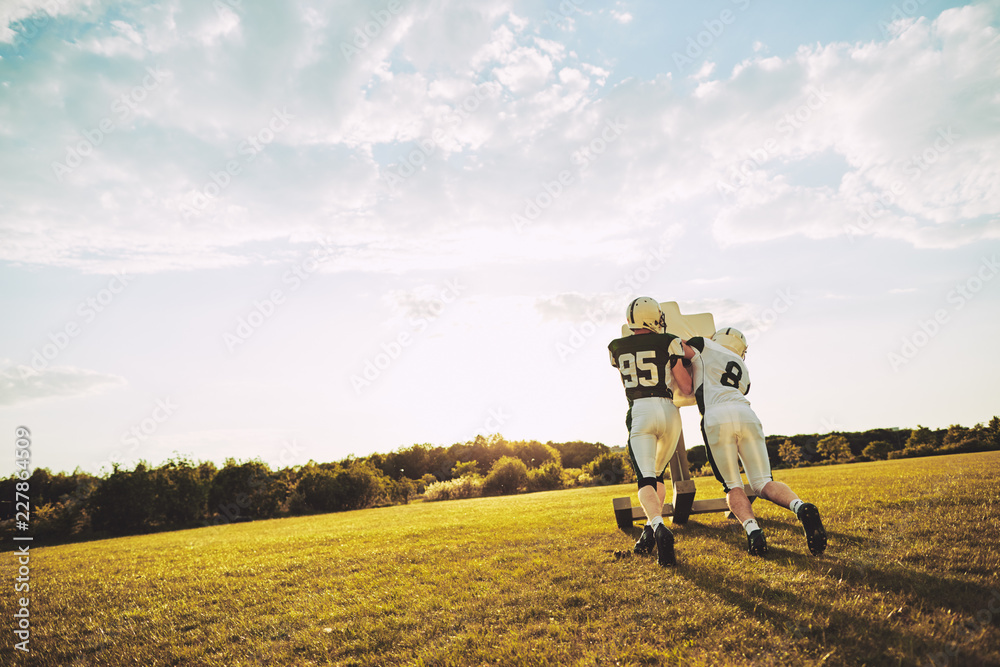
<point x="643" y="362"/>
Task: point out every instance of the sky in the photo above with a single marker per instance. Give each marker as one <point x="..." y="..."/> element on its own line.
<point x="309" y="230"/>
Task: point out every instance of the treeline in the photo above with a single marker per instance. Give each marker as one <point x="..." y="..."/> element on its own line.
<point x="184" y="494"/>
<point x="874" y="445"/>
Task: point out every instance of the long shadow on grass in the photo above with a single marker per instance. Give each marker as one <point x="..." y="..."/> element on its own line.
<point x="929" y="592"/>
<point x="854" y="642"/>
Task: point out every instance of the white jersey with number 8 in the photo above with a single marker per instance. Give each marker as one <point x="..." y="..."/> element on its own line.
<point x="720" y="376"/>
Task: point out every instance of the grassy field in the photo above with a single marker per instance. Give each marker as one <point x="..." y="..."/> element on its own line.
<point x="910" y="577"/>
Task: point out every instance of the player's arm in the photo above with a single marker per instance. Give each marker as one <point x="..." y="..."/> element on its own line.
<point x="679" y="366"/>
<point x="693" y="346"/>
<point x="682" y="378"/>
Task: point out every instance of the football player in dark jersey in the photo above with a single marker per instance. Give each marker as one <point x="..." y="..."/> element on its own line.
<point x="653" y="421"/>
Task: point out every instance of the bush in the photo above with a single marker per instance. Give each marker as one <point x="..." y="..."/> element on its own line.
<point x="546" y="478"/>
<point x="400" y="491"/>
<point x="610" y="468"/>
<point x="697" y="457"/>
<point x="879" y="449"/>
<point x="571" y="477"/>
<point x="181" y="492"/>
<point x="535" y="454"/>
<point x="337" y="488"/>
<point x="577" y="454"/>
<point x="55" y="519"/>
<point x="123" y="502"/>
<point x="245" y="491"/>
<point x="470" y="486"/>
<point x="508" y="475"/>
<point x="464" y="468"/>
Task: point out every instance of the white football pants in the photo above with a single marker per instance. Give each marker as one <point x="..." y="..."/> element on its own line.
<point x="734" y="434"/>
<point x="653" y="435"/>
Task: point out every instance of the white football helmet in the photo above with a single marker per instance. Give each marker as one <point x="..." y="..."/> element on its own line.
<point x="731" y="339"/>
<point x="645" y="313"/>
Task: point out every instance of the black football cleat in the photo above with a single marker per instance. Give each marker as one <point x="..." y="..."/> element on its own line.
<point x="812" y="525"/>
<point x="756" y="544"/>
<point x="646" y="542"/>
<point x="664" y="546"/>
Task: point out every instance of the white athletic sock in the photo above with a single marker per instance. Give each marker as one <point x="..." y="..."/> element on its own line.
<point x="657" y="520"/>
<point x="750" y="525"/>
<point x="794" y="505"/>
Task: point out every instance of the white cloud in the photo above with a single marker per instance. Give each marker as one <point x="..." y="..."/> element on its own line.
<point x="500" y="113"/>
<point x="22" y="384"/>
<point x="35" y="15"/>
<point x="621" y="17"/>
<point x="576" y="307"/>
<point x="706" y="70"/>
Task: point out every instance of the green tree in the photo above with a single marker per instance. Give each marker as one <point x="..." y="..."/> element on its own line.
<point x="547" y="477"/>
<point x="463" y="468"/>
<point x="245" y="490"/>
<point x="610" y="468"/>
<point x="122" y="503"/>
<point x="346" y="486"/>
<point x="921" y="442"/>
<point x="508" y="475"/>
<point x="181" y="493"/>
<point x="790" y="453"/>
<point x="697" y="457"/>
<point x="577" y="453"/>
<point x="534" y="453"/>
<point x="834" y="448"/>
<point x="955" y="436"/>
<point x="877" y="450"/>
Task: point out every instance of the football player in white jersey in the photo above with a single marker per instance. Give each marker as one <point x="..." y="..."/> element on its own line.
<point x="653" y="421"/>
<point x="733" y="434"/>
